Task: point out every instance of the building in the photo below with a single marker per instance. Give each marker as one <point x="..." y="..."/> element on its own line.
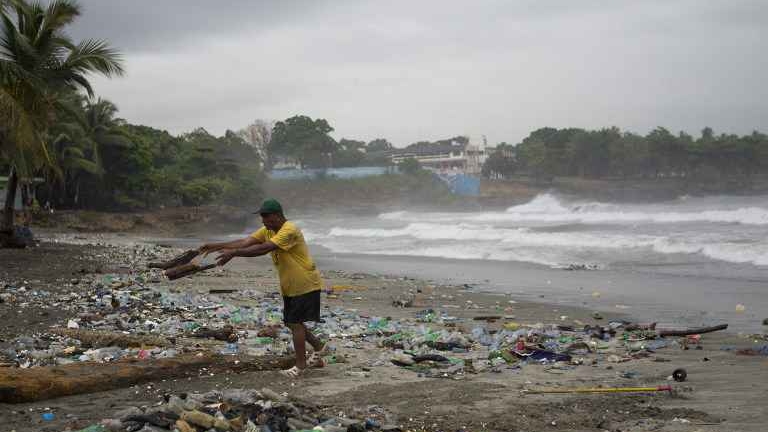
<point x="451" y="155"/>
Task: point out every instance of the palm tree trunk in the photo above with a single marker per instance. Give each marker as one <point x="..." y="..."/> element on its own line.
<point x="6" y="224"/>
<point x="7" y="234"/>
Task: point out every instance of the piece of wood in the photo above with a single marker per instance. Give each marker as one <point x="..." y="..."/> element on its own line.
<point x="692" y="331"/>
<point x="487" y="318"/>
<point x="98" y="339"/>
<point x="186" y="270"/>
<point x="226" y="333"/>
<point x="221" y="291"/>
<point x="176" y="261"/>
<point x="43" y="383"/>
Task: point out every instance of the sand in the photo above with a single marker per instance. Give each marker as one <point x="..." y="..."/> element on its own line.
<point x="724" y="391"/>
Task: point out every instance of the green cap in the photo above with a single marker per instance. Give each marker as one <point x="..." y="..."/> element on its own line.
<point x="270" y="206"/>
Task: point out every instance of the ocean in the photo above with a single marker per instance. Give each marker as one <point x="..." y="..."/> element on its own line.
<point x="689" y="261"/>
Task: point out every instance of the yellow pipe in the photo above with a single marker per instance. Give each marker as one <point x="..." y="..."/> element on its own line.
<point x="605" y="390"/>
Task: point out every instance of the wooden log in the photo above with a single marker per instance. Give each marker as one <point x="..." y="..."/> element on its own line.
<point x="226" y="333"/>
<point x="43" y="383"/>
<point x="692" y="331"/>
<point x="176" y="261"/>
<point x="186" y="270"/>
<point x="97" y="339"/>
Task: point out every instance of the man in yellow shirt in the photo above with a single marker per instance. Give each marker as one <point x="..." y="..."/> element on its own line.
<point x="300" y="281"/>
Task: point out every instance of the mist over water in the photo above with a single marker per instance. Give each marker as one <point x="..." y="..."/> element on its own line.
<point x="554" y="231"/>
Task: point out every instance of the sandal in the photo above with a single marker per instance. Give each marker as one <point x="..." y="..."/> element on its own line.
<point x="293" y="372"/>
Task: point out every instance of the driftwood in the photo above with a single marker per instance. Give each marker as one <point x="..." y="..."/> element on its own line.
<point x="176" y="261"/>
<point x="186" y="270"/>
<point x="226" y="333"/>
<point x="97" y="339"/>
<point x="43" y="383"/>
<point x="487" y="318"/>
<point x="692" y="331"/>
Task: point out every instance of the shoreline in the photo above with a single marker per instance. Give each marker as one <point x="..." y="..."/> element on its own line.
<point x="723" y="389"/>
<point x="621" y="291"/>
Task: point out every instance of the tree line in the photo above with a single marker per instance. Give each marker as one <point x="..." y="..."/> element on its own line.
<point x="611" y="153"/>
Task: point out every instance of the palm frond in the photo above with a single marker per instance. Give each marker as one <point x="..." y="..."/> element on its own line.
<point x="93" y="55"/>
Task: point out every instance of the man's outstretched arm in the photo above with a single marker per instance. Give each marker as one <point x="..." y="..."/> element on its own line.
<point x="234" y="244"/>
<point x="250" y="251"/>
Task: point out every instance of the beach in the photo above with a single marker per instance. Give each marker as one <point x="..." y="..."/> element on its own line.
<point x="724" y="391"/>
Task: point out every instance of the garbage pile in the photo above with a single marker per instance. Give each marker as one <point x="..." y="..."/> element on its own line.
<point x="239" y="410"/>
<point x="140" y="315"/>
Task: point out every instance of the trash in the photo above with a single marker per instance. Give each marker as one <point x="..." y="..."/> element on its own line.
<point x="337" y="288"/>
<point x="72" y="324"/>
<point x="543" y="355"/>
<point x="679" y="375"/>
<point x="401" y="359"/>
<point x="762" y="350"/>
<point x="48" y="416"/>
<point x="221" y="291"/>
<point x="740" y="308"/>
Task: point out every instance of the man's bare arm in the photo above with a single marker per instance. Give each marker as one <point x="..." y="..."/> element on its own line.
<point x="234" y="244"/>
<point x="251" y="251"/>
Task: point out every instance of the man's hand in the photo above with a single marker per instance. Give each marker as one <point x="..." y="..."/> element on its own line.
<point x="225" y="257"/>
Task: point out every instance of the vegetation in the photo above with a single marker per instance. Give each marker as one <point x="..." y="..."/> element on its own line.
<point x="303" y="141"/>
<point x="39" y="67"/>
<point x="410" y="166"/>
<point x="610" y="153"/>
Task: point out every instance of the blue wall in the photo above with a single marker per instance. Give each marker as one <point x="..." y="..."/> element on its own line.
<point x="461" y="184"/>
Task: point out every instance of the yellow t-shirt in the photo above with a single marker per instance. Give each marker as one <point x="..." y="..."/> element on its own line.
<point x="296" y="269"/>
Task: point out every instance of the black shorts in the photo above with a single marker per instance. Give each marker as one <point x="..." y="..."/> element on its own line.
<point x="302" y="308"/>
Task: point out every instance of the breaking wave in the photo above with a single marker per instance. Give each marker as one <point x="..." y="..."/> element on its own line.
<point x="547" y="208"/>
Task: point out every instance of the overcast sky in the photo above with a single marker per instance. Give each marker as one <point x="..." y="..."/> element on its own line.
<point x="424" y="70"/>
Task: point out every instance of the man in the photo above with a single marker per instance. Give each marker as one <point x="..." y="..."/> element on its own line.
<point x="300" y="281"/>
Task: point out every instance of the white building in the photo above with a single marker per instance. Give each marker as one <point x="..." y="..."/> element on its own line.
<point x="457" y="155"/>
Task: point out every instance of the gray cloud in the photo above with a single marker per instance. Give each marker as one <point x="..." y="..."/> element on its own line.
<point x="430" y="69"/>
<point x="154" y="25"/>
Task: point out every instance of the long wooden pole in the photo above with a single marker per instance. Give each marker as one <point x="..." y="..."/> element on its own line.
<point x="43" y="383"/>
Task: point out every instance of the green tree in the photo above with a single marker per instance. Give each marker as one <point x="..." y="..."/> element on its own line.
<point x="500" y="164"/>
<point x="410" y="166"/>
<point x="38" y="63"/>
<point x="350" y="153"/>
<point x="379" y="145"/>
<point x="303" y="139"/>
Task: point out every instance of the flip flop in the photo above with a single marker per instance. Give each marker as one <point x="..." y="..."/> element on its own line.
<point x="293" y="372"/>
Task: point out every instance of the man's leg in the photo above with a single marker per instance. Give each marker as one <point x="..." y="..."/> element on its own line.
<point x="313" y="340"/>
<point x="299" y="345"/>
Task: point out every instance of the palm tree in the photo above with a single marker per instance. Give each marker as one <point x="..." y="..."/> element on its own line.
<point x="38" y="64"/>
<point x="86" y="130"/>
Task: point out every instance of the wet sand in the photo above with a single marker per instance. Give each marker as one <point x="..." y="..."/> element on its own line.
<point x="724" y="391"/>
<point x="672" y="298"/>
